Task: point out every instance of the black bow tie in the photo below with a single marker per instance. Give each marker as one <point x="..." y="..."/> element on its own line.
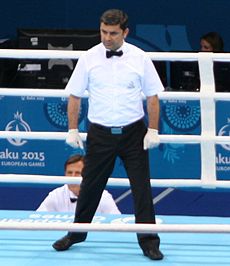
<point x="73" y="200"/>
<point x="112" y="53"/>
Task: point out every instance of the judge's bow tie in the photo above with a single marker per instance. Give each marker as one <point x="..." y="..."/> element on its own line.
<point x="112" y="53"/>
<point x="73" y="200"/>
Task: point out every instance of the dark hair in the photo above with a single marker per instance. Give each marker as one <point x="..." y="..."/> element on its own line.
<point x="215" y="40"/>
<point x="115" y="17"/>
<point x="73" y="159"/>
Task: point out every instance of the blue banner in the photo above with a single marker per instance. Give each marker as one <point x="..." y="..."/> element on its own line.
<point x="27" y="114"/>
<point x="172" y="160"/>
<point x="223" y="129"/>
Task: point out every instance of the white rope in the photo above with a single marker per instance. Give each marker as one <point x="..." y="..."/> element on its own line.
<point x="124" y="228"/>
<point x="39" y="54"/>
<point x="166" y="95"/>
<point x="36" y="135"/>
<point x="189" y="139"/>
<point x="33" y="92"/>
<point x="113" y="181"/>
<point x="63" y="54"/>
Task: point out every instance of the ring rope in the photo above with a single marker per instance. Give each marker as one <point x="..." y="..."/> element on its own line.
<point x="166" y="95"/>
<point x="64" y="54"/>
<point x="189" y="139"/>
<point x="112" y="181"/>
<point x="124" y="228"/>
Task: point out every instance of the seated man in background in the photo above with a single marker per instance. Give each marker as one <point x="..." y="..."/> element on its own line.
<point x="64" y="199"/>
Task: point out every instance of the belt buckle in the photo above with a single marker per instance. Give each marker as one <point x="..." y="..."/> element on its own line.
<point x="116" y="130"/>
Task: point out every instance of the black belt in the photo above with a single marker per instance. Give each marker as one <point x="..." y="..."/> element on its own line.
<point x="117" y="130"/>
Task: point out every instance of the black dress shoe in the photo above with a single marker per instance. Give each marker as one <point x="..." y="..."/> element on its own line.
<point x="66" y="242"/>
<point x="153" y="254"/>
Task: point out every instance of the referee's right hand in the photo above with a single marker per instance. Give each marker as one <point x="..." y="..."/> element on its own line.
<point x="73" y="139"/>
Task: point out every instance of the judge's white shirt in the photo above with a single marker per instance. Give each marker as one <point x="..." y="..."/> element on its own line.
<point x="59" y="200"/>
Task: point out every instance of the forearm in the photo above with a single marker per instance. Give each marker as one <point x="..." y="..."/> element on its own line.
<point x="73" y="111"/>
<point x="153" y="109"/>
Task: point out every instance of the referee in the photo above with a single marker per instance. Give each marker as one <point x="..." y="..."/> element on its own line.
<point x="116" y="74"/>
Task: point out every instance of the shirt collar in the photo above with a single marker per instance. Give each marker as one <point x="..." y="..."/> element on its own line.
<point x="71" y="194"/>
<point x="123" y="47"/>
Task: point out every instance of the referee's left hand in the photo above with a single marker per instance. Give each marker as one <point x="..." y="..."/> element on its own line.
<point x="151" y="139"/>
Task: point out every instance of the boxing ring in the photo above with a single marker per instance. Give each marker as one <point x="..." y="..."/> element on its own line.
<point x="184" y="240"/>
<point x="33" y="247"/>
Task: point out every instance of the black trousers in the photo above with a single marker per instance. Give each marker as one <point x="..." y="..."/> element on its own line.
<point x="102" y="149"/>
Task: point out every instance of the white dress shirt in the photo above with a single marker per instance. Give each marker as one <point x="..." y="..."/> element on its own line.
<point x="58" y="200"/>
<point x="115" y="85"/>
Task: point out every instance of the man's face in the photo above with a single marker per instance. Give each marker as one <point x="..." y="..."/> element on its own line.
<point x="74" y="169"/>
<point x="112" y="36"/>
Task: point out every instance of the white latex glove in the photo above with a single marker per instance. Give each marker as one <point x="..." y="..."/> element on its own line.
<point x="151" y="139"/>
<point x="73" y="139"/>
